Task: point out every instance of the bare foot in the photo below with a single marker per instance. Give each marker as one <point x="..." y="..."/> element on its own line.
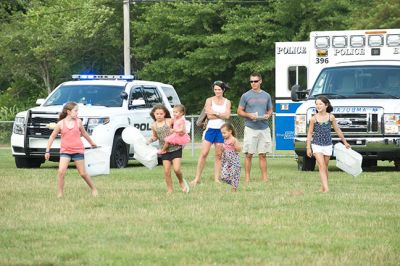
<point x="265" y="180"/>
<point x="217" y="181"/>
<point x="194" y="182"/>
<point x="60" y="195"/>
<point x="233" y="189"/>
<point x="95" y="193"/>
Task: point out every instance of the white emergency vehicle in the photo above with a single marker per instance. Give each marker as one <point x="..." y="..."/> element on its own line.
<point x="359" y="71"/>
<point x="107" y="105"/>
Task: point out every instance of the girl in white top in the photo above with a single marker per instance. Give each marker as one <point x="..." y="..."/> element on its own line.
<point x="217" y="109"/>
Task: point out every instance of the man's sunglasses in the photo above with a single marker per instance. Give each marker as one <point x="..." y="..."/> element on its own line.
<point x="254" y="81"/>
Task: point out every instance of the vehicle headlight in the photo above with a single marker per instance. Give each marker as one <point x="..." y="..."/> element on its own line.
<point x="392" y="123"/>
<point x="94" y="122"/>
<point x="18" y="127"/>
<point x="300" y="125"/>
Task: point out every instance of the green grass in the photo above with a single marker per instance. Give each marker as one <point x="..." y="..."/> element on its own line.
<point x="133" y="221"/>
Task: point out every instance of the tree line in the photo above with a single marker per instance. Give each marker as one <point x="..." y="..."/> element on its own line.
<point x="188" y="44"/>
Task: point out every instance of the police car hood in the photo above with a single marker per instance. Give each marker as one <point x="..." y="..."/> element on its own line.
<point x="83" y="111"/>
<point x="355" y="105"/>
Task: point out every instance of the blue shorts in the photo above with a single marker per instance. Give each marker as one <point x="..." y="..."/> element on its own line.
<point x="73" y="156"/>
<point x="214" y="135"/>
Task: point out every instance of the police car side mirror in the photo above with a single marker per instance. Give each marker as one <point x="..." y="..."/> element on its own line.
<point x="137" y="103"/>
<point x="298" y="93"/>
<point x="124" y="95"/>
<point x="40" y="101"/>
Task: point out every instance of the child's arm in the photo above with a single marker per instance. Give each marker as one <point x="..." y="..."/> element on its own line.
<point x="53" y="135"/>
<point x="309" y="136"/>
<point x="236" y="143"/>
<point x="339" y="132"/>
<point x="86" y="135"/>
<point x="154" y="136"/>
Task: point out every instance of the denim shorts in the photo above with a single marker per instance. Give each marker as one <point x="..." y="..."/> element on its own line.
<point x="73" y="156"/>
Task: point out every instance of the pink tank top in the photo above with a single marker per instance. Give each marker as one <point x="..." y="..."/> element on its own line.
<point x="228" y="145"/>
<point x="71" y="139"/>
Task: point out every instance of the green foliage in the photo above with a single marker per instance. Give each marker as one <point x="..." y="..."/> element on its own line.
<point x="284" y="222"/>
<point x="8" y="113"/>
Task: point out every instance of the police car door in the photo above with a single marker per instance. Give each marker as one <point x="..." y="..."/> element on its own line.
<point x="141" y="101"/>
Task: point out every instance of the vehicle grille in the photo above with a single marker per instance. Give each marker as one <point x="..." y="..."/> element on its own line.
<point x="38" y="126"/>
<point x="357" y="123"/>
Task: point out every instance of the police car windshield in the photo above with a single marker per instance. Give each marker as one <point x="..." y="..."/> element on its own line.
<point x="358" y="82"/>
<point x="98" y="95"/>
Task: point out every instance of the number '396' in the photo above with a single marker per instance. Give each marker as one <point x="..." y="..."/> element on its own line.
<point x="322" y="60"/>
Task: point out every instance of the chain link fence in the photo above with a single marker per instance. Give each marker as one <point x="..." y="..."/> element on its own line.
<point x="237" y="122"/>
<point x="196" y="133"/>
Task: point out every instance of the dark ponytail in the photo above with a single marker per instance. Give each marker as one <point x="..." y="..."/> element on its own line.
<point x="329" y="107"/>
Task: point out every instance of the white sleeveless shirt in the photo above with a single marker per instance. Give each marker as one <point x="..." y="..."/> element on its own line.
<point x="217" y="123"/>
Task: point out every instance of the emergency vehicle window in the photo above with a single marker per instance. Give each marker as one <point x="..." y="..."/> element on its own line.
<point x="152" y="96"/>
<point x="172" y="96"/>
<point x="297" y="75"/>
<point x="137" y="94"/>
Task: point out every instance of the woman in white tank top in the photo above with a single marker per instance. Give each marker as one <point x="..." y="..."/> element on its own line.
<point x="218" y="108"/>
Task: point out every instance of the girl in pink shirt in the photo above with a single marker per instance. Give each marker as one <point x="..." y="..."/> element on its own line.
<point x="71" y="129"/>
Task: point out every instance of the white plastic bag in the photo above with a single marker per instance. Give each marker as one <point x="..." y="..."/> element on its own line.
<point x="348" y="160"/>
<point x="97" y="161"/>
<point x="132" y="135"/>
<point x="146" y="155"/>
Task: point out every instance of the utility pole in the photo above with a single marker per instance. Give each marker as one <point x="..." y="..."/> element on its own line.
<point x="127" y="40"/>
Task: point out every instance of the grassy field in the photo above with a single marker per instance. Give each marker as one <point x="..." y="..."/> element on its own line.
<point x="133" y="221"/>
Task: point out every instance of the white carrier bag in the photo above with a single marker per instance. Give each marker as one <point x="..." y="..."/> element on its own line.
<point x="143" y="153"/>
<point x="146" y="155"/>
<point x="348" y="160"/>
<point x="97" y="161"/>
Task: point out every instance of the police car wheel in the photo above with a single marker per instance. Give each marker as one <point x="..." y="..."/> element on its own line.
<point x="22" y="162"/>
<point x="119" y="154"/>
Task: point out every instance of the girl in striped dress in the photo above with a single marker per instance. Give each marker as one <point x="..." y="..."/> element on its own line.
<point x="230" y="157"/>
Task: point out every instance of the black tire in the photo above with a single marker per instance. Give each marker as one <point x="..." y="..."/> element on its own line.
<point x="23" y="162"/>
<point x="305" y="163"/>
<point x="369" y="163"/>
<point x="119" y="153"/>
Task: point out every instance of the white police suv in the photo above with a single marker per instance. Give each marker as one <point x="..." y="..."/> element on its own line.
<point x="107" y="104"/>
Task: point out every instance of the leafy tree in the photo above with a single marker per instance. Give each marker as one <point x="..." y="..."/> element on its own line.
<point x="53" y="39"/>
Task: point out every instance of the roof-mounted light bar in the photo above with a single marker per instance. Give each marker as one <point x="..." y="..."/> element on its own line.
<point x="102" y="77"/>
<point x="375" y="40"/>
<point x="393" y="40"/>
<point x="322" y="42"/>
<point x="357" y="41"/>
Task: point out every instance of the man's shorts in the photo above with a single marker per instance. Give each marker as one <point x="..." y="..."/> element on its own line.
<point x="73" y="156"/>
<point x="214" y="135"/>
<point x="257" y="141"/>
<point x="325" y="150"/>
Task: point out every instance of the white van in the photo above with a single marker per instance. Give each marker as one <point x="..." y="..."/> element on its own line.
<point x="112" y="101"/>
<point x="359" y="71"/>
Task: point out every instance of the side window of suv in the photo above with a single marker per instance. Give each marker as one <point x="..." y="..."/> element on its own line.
<point x="152" y="96"/>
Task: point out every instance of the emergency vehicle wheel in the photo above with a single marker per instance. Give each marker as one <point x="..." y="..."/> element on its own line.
<point x="397" y="165"/>
<point x="369" y="163"/>
<point x="22" y="162"/>
<point x="305" y="163"/>
<point x="119" y="154"/>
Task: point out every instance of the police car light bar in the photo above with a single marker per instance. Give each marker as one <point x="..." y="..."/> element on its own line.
<point x="102" y="77"/>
